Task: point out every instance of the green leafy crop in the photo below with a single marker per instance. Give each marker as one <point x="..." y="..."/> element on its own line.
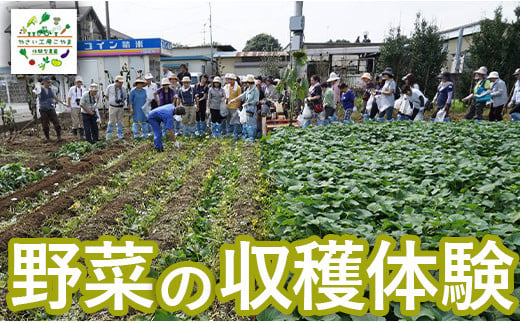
<point x="14" y="176"/>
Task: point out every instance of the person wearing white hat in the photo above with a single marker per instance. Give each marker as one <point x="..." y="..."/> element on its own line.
<point x="498" y="96"/>
<point x="136" y="105"/>
<point x="89" y="103"/>
<point x="116" y="96"/>
<point x="515" y="98"/>
<point x="233" y="91"/>
<point x="250" y="100"/>
<point x="216" y="96"/>
<point x="186" y="98"/>
<point x="368" y="99"/>
<point x="150" y="88"/>
<point x="333" y="80"/>
<point x="73" y="99"/>
<point x="481" y="93"/>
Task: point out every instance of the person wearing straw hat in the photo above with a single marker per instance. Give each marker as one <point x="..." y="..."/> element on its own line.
<point x="162" y="117"/>
<point x="47" y="100"/>
<point x="136" y="103"/>
<point x="515" y="98"/>
<point x="150" y="88"/>
<point x="186" y="98"/>
<point x="250" y="100"/>
<point x="175" y="85"/>
<point x="333" y="80"/>
<point x="232" y="91"/>
<point x="216" y="96"/>
<point x="387" y="93"/>
<point x="116" y="96"/>
<point x="498" y="96"/>
<point x="481" y="93"/>
<point x="89" y="103"/>
<point x="73" y="99"/>
<point x="443" y="97"/>
<point x="367" y="99"/>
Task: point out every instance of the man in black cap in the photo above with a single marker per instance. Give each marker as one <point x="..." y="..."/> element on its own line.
<point x="48" y="114"/>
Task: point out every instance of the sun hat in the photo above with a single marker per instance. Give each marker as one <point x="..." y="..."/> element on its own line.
<point x="139" y="80"/>
<point x="186" y="79"/>
<point x="217" y="79"/>
<point x="165" y="81"/>
<point x="388" y="71"/>
<point x="250" y="78"/>
<point x="119" y="78"/>
<point x="407" y="76"/>
<point x="173" y="76"/>
<point x="93" y="87"/>
<point x="482" y="70"/>
<point x="230" y="76"/>
<point x="493" y="75"/>
<point x="517" y="72"/>
<point x="366" y="76"/>
<point x="333" y="77"/>
<point x="78" y="79"/>
<point x="276" y="81"/>
<point x="148" y="76"/>
<point x="46" y="79"/>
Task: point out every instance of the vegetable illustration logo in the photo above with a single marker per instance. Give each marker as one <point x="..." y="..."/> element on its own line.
<point x="46" y="41"/>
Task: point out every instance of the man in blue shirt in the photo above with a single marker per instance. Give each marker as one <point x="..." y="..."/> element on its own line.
<point x="163" y="114"/>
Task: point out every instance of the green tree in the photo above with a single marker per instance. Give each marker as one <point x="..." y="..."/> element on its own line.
<point x="427" y="54"/>
<point x="395" y="53"/>
<point x="263" y="43"/>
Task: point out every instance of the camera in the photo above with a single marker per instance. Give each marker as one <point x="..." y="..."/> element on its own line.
<point x="119" y="101"/>
<point x="77" y="101"/>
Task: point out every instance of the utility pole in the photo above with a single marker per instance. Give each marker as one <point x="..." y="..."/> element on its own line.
<point x="108" y="19"/>
<point x="296" y="26"/>
<point x="80" y="32"/>
<point x="211" y="39"/>
<point x="52" y="4"/>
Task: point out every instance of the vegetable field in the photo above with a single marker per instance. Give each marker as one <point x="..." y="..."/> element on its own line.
<point x="430" y="180"/>
<point x="427" y="179"/>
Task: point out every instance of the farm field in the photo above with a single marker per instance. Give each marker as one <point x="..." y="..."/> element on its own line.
<point x="430" y="180"/>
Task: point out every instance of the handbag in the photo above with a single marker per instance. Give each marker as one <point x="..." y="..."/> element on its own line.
<point x="317" y="107"/>
<point x="243" y="116"/>
<point x="307" y="113"/>
<point x="223" y="109"/>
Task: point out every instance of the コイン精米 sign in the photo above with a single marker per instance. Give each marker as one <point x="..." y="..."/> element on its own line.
<point x="43" y="41"/>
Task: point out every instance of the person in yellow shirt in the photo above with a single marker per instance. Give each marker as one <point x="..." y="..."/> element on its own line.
<point x="233" y="91"/>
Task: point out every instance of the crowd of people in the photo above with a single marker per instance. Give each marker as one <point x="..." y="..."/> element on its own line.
<point x="233" y="106"/>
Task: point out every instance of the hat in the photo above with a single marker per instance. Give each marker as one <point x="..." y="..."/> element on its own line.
<point x="333" y="77"/>
<point x="186" y="79"/>
<point x="445" y="75"/>
<point x="230" y="76"/>
<point x="165" y="81"/>
<point x="46" y="79"/>
<point x="93" y="87"/>
<point x="388" y="71"/>
<point x="276" y="81"/>
<point x="78" y="79"/>
<point x="517" y="72"/>
<point x="148" y="76"/>
<point x="482" y="70"/>
<point x="250" y="78"/>
<point x="173" y="76"/>
<point x="493" y="75"/>
<point x="139" y="81"/>
<point x="406" y="76"/>
<point x="217" y="79"/>
<point x="119" y="78"/>
<point x="366" y="76"/>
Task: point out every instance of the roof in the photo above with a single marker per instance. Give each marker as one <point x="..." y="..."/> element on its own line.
<point x="219" y="48"/>
<point x="186" y="58"/>
<point x="345" y="50"/>
<point x="468" y="29"/>
<point x="250" y="54"/>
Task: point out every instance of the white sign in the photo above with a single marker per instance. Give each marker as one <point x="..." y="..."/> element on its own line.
<point x="43" y="41"/>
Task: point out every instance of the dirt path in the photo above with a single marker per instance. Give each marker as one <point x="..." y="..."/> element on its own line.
<point x="170" y="228"/>
<point x="29" y="223"/>
<point x="104" y="221"/>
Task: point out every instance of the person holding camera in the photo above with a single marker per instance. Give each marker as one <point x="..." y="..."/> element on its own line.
<point x="89" y="103"/>
<point x="116" y="96"/>
<point x="73" y="99"/>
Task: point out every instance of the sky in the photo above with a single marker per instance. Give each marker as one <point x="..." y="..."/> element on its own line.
<point x="234" y="22"/>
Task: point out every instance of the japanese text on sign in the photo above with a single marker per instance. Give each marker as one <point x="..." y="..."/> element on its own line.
<point x="319" y="276"/>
